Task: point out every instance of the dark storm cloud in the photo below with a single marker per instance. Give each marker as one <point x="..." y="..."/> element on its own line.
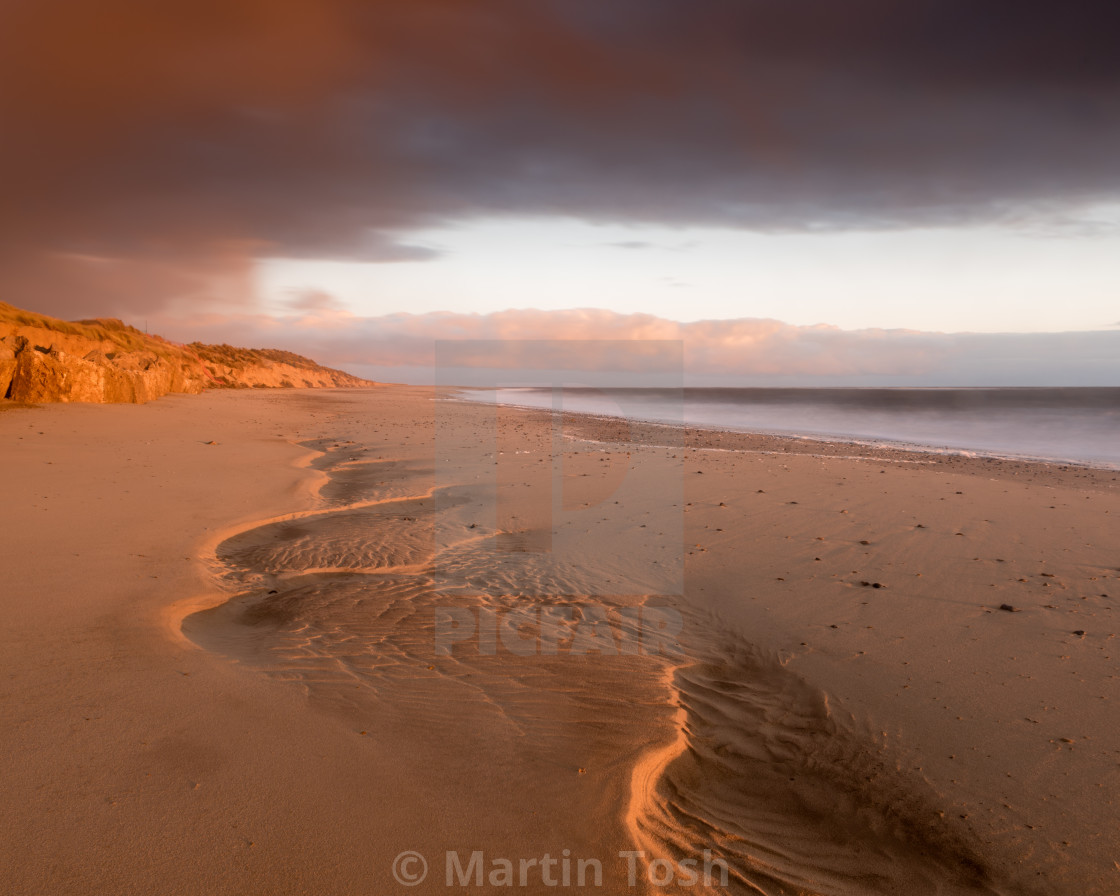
<point x="329" y="128"/>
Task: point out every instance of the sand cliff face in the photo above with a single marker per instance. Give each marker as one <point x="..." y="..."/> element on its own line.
<point x="47" y="360"/>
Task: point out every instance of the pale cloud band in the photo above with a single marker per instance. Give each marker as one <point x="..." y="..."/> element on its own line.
<point x="745" y="351"/>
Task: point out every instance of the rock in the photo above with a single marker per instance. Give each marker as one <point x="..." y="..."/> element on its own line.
<point x="1007" y="608"/>
<point x="56" y="376"/>
<point x="40" y="377"/>
<point x="7" y="369"/>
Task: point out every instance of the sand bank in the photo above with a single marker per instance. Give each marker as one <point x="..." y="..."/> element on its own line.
<point x="858" y="714"/>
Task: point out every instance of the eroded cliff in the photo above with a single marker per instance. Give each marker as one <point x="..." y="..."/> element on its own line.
<point x="43" y="359"/>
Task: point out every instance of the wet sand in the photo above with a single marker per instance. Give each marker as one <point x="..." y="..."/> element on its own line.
<point x="370" y="622"/>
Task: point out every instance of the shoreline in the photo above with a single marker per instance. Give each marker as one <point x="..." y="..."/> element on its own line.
<point x="816" y="438"/>
<point x="604" y="429"/>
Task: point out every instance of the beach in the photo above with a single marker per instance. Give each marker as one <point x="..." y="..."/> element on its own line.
<point x="270" y="642"/>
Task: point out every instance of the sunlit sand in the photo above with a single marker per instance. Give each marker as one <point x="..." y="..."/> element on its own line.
<point x="270" y="642"/>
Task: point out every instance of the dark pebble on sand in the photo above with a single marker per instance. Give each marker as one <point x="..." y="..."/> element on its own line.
<point x="1007" y="608"/>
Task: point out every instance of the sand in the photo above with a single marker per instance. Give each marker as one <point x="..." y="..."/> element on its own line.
<point x="351" y="627"/>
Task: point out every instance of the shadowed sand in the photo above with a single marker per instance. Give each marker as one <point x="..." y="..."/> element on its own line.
<point x="230" y="667"/>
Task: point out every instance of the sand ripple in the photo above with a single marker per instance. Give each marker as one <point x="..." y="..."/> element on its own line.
<point x="749" y="761"/>
<point x="766" y="775"/>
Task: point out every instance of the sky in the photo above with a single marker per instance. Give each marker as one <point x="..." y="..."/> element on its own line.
<point x="803" y="192"/>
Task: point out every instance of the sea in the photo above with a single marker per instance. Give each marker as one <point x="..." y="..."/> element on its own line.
<point x="1073" y="425"/>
